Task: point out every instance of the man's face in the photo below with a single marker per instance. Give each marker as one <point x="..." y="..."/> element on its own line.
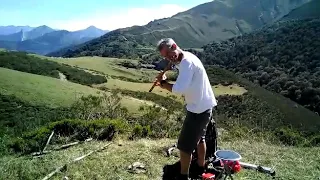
<point x="169" y="54"/>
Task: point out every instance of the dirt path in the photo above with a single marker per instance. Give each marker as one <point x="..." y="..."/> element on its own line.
<point x="62" y="77"/>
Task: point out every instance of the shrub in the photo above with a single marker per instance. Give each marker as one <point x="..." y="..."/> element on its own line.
<point x="75" y="129"/>
<point x="99" y="107"/>
<point x="162" y="123"/>
<point x="289" y="136"/>
<point x="140" y="132"/>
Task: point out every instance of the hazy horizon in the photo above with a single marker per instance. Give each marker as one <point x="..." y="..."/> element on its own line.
<point x="72" y="15"/>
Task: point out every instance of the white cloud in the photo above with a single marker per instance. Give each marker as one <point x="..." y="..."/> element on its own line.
<point x="133" y="16"/>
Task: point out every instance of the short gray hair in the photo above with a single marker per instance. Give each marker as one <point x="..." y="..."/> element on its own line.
<point x="165" y="42"/>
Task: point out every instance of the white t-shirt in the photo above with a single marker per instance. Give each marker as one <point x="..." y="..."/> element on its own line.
<point x="194" y="84"/>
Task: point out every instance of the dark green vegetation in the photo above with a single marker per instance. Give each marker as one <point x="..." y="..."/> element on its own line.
<point x="21" y="61"/>
<point x="18" y="117"/>
<point x="113" y="44"/>
<point x="284" y="58"/>
<point x="43" y="39"/>
<point x="213" y="21"/>
<point x="260" y="111"/>
<point x="308" y="10"/>
<point x="25" y="128"/>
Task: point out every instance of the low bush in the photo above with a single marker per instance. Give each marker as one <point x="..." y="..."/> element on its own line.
<point x="75" y="129"/>
<point x="290" y="137"/>
<point x="100" y="117"/>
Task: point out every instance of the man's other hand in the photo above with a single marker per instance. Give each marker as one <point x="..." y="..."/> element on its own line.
<point x="161" y="76"/>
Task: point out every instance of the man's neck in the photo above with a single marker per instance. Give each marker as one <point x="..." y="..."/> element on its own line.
<point x="180" y="56"/>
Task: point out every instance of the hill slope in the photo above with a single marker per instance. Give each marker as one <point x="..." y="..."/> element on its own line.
<point x="48" y="91"/>
<point x="41" y="90"/>
<point x="308" y="10"/>
<point x="212" y="21"/>
<point x="31" y="64"/>
<point x="283" y="58"/>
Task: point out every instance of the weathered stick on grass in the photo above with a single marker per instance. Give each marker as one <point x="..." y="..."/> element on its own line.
<point x="65" y="146"/>
<point x="75" y="160"/>
<point x="48" y="141"/>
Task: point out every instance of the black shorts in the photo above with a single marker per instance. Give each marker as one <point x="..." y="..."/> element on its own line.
<point x="193" y="130"/>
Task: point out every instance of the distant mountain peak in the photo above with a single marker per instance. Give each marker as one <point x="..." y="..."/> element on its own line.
<point x="92" y="27"/>
<point x="44" y="27"/>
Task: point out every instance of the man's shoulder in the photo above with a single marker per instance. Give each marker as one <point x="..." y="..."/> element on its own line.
<point x="192" y="59"/>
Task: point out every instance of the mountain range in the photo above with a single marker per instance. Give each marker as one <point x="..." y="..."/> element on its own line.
<point x="43" y="39"/>
<point x="213" y="21"/>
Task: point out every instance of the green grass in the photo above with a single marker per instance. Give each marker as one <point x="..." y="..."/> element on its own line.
<point x="219" y="90"/>
<point x="47" y="91"/>
<point x="112" y="163"/>
<point x="107" y="66"/>
<point x="41" y="90"/>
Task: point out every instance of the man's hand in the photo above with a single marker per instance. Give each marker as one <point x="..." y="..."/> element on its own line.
<point x="161" y="76"/>
<point x="165" y="85"/>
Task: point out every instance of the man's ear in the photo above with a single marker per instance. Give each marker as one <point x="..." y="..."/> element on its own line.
<point x="174" y="47"/>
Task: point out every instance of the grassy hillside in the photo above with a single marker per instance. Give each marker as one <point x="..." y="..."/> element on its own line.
<point x="40" y="89"/>
<point x="124" y="78"/>
<point x="110" y="66"/>
<point x="46" y="91"/>
<point x="23" y="62"/>
<point x="212" y="21"/>
<point x="283" y="58"/>
<point x="308" y="10"/>
<point x="219" y="89"/>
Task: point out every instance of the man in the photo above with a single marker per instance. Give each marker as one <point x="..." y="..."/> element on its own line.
<point x="193" y="83"/>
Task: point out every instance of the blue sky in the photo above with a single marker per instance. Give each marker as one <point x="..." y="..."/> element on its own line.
<point x="78" y="14"/>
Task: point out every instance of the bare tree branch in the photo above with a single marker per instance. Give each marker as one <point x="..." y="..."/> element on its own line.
<point x="75" y="160"/>
<point x="48" y="141"/>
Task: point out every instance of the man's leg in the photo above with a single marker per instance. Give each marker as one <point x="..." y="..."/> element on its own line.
<point x="193" y="129"/>
<point x="185" y="160"/>
<point x="185" y="146"/>
<point x="202" y="146"/>
<point x="201" y="150"/>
